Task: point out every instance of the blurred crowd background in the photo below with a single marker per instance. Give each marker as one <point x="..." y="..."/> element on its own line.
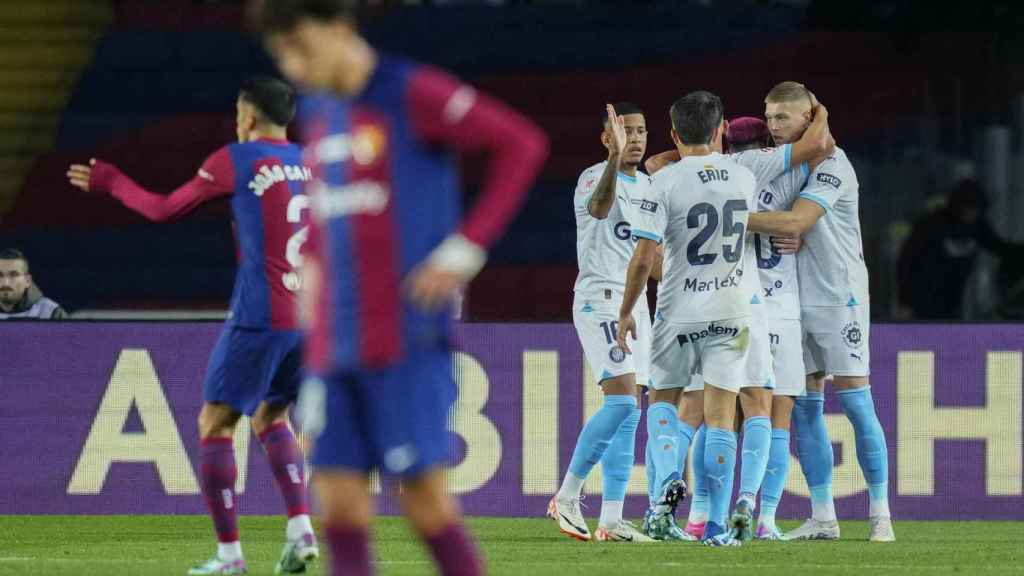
<point x="927" y="99"/>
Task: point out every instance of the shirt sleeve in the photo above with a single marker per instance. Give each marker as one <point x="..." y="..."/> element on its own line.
<point x="584" y="191"/>
<point x="825" y="186"/>
<point x="452" y="114"/>
<point x="651" y="215"/>
<point x="214" y="179"/>
<point x="767" y="164"/>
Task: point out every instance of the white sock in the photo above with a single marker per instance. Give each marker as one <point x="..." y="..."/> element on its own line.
<point x="230" y="551"/>
<point x="696" y="517"/>
<point x="823" y="511"/>
<point x="879" y="508"/>
<point x="611" y="513"/>
<point x="297" y="526"/>
<point x="766" y="519"/>
<point x="571" y="488"/>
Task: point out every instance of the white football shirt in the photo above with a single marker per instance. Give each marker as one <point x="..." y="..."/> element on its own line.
<point x="604" y="247"/>
<point x="698" y="207"/>
<point x="831" y="263"/>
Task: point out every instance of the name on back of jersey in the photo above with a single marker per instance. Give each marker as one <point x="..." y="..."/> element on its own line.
<point x="712" y="174"/>
<point x="268" y="176"/>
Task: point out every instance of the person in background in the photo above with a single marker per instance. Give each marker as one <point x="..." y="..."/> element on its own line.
<point x="19" y="297"/>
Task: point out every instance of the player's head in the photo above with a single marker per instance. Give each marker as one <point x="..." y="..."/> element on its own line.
<point x="264" y="105"/>
<point x="787" y="109"/>
<point x="14" y="277"/>
<point x="747" y="133"/>
<point x="309" y="39"/>
<point x="698" y="120"/>
<point x="636" y="132"/>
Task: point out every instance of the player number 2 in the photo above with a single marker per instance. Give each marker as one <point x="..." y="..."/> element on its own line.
<point x="611" y="330"/>
<point x="293" y="250"/>
<point x="730" y="228"/>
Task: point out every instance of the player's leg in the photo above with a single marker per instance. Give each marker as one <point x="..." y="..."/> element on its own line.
<point x="228" y="392"/>
<point x="346" y="512"/>
<point x="754" y="451"/>
<point x="436" y="518"/>
<point x="334" y="412"/>
<point x="719" y="455"/>
<point x="218" y="474"/>
<point x="872" y="453"/>
<point x="671" y="369"/>
<point x="616" y="372"/>
<point x="272" y="427"/>
<point x="777" y="470"/>
<point x="617" y="466"/>
<point x="786" y="339"/>
<point x="408" y="406"/>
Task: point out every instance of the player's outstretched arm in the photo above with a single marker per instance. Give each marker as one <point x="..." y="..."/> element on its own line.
<point x="791" y="223"/>
<point x="603" y="198"/>
<point x="660" y="160"/>
<point x="639" y="271"/>
<point x="816" y="143"/>
<point x="103" y="176"/>
<point x="449" y="113"/>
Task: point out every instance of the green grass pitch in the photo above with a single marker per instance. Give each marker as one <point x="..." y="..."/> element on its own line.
<point x="151" y="545"/>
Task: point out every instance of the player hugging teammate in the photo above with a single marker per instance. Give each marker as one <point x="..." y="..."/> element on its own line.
<point x="737" y="318"/>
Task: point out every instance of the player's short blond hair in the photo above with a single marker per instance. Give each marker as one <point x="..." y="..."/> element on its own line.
<point x="788" y="91"/>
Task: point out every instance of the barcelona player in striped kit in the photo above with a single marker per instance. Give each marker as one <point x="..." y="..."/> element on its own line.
<point x="388" y="250"/>
<point x="255" y="366"/>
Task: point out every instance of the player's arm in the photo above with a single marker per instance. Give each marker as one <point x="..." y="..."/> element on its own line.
<point x="214" y="179"/>
<point x="446" y="112"/>
<point x="639" y="271"/>
<point x="603" y="198"/>
<point x="657" y="271"/>
<point x="789" y="223"/>
<point x="660" y="160"/>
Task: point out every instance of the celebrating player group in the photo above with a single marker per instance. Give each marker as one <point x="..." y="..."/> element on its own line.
<point x="762" y="295"/>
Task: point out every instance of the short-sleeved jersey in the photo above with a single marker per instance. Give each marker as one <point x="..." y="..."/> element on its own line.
<point x="386" y="193"/>
<point x="605" y="246"/>
<point x="698" y="207"/>
<point x="831" y="263"/>
<point x="778" y="187"/>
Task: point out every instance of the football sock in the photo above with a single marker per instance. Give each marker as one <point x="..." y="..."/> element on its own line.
<point x="872" y="454"/>
<point x="594" y="440"/>
<point x="757" y="443"/>
<point x="616" y="466"/>
<point x="719" y="468"/>
<point x="814" y="450"/>
<point x="775" y="475"/>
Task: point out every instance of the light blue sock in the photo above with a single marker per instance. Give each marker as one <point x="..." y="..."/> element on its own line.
<point x="719" y="468"/>
<point x="872" y="454"/>
<point x="597" y="434"/>
<point x="757" y="444"/>
<point x="699" y="504"/>
<point x="686" y="433"/>
<point x="814" y="450"/>
<point x="617" y="462"/>
<point x="663" y="438"/>
<point x="652" y="494"/>
<point x="775" y="474"/>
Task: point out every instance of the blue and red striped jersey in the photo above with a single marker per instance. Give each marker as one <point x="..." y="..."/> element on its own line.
<point x="266" y="181"/>
<point x="386" y="192"/>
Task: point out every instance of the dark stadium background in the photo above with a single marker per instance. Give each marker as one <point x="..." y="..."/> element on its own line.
<point x="918" y="94"/>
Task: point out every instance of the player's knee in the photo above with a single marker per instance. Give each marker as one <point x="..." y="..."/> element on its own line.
<point x="850" y="382"/>
<point x="266" y="416"/>
<point x="816" y="382"/>
<point x="217" y="421"/>
<point x="623" y="385"/>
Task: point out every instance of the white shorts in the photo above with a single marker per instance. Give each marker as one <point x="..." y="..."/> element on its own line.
<point x="836" y="339"/>
<point x="786" y="338"/>
<point x="729" y="354"/>
<point x="597" y="325"/>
